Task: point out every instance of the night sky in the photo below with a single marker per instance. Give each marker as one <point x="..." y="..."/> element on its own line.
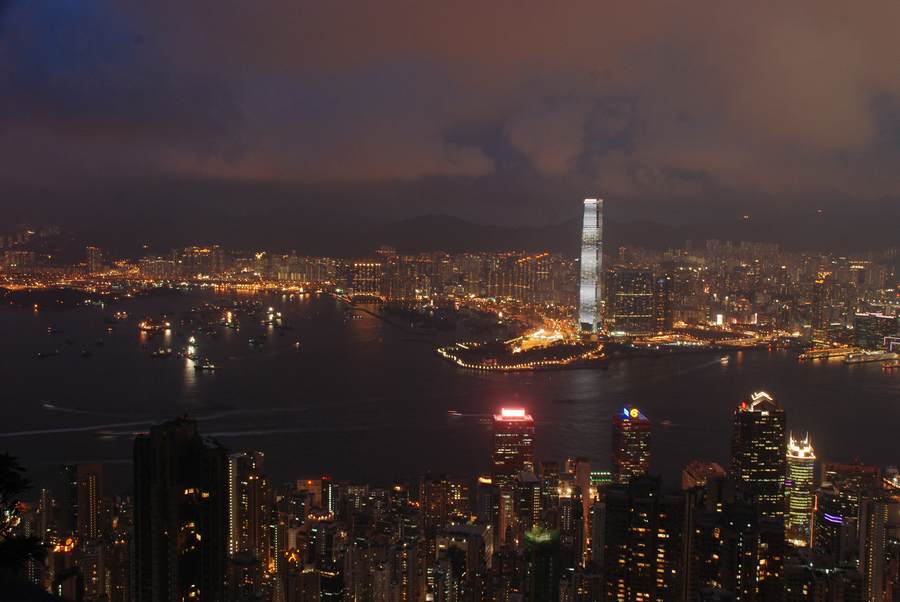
<point x="498" y="112"/>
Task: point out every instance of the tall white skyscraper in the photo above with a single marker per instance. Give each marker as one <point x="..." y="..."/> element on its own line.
<point x="590" y="291"/>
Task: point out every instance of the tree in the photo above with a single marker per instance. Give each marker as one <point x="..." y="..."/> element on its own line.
<point x="15" y="550"/>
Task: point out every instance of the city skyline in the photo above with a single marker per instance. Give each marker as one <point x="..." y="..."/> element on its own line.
<point x="449" y="302"/>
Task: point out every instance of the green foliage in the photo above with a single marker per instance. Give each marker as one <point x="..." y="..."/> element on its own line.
<point x="15" y="549"/>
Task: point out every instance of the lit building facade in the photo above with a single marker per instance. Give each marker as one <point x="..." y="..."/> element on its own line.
<point x="801" y="462"/>
<point x="513" y="436"/>
<point x="590" y="285"/>
<point x="759" y="451"/>
<point x="632" y="301"/>
<point x="630" y="444"/>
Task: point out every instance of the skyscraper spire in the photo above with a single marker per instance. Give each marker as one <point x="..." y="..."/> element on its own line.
<point x="590" y="290"/>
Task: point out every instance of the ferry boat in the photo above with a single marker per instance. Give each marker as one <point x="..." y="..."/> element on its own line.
<point x="205" y="366"/>
<point x="871" y="356"/>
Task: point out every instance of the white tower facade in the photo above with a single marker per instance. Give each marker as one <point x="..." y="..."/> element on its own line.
<point x="590" y="285"/>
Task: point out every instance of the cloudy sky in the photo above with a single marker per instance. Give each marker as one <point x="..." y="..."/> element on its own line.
<point x="507" y="110"/>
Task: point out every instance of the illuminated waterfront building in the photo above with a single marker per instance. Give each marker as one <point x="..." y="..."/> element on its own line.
<point x="630" y="444"/>
<point x="632" y="302"/>
<point x="801" y="461"/>
<point x="180" y="514"/>
<point x="94" y="260"/>
<point x="366" y="278"/>
<point x="513" y="435"/>
<point x="871" y="329"/>
<point x="759" y="451"/>
<point x="590" y="286"/>
<point x="820" y="308"/>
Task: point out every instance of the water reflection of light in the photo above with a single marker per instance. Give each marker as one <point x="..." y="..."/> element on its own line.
<point x="190" y="376"/>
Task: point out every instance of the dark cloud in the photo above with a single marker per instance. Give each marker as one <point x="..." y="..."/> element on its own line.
<point x="699" y="101"/>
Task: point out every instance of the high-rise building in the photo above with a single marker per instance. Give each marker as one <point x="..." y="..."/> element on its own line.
<point x="643" y="553"/>
<point x="180" y="514"/>
<point x="367" y="278"/>
<point x="248" y="507"/>
<point x="801" y="462"/>
<point x="590" y="284"/>
<point x="630" y="444"/>
<point x="879" y="546"/>
<point x="699" y="472"/>
<point x="759" y="451"/>
<point x="871" y="329"/>
<point x="94" y="260"/>
<point x="513" y="435"/>
<point x="542" y="566"/>
<point x="820" y="314"/>
<point x="90" y="497"/>
<point x="632" y="301"/>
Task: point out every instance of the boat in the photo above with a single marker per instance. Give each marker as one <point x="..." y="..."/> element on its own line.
<point x="162" y="352"/>
<point x="205" y="366"/>
<point x="42" y="354"/>
<point x="871" y="356"/>
<point x="724" y="360"/>
<point x="51" y="330"/>
<point x="454" y="413"/>
<point x="86" y="353"/>
<point x="255" y="342"/>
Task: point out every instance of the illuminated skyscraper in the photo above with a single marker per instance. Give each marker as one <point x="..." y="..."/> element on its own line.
<point x="513" y="446"/>
<point x="90" y="494"/>
<point x="758" y="452"/>
<point x="591" y="282"/>
<point x="801" y="461"/>
<point x="631" y="301"/>
<point x="630" y="444"/>
<point x="94" y="259"/>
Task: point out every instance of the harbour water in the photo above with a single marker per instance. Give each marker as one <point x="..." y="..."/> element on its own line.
<point x="363" y="400"/>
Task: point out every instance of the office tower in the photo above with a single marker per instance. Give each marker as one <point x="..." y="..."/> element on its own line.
<point x="871" y="329"/>
<point x="571" y="525"/>
<point x="249" y="516"/>
<point x="880" y="547"/>
<point x="835" y="523"/>
<point x="664" y="302"/>
<point x="366" y="278"/>
<point x="632" y="304"/>
<point x="630" y="444"/>
<point x="820" y="308"/>
<point x="67" y="512"/>
<point x="643" y="541"/>
<point x="542" y="566"/>
<point x="513" y="436"/>
<point x="801" y="461"/>
<point x="180" y="514"/>
<point x="699" y="472"/>
<point x="759" y="451"/>
<point x="730" y="547"/>
<point x="528" y="502"/>
<point x="90" y="498"/>
<point x="590" y="286"/>
<point x="94" y="260"/>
